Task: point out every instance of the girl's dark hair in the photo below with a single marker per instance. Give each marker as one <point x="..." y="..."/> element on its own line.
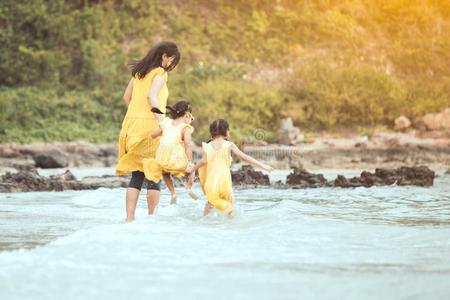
<point x="177" y="110"/>
<point x="218" y="127"/>
<point x="153" y="59"/>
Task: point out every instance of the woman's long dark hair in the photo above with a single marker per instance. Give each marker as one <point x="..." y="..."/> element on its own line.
<point x="153" y="59"/>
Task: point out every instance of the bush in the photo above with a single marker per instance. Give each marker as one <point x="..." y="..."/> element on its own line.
<point x="336" y="63"/>
<point x="219" y="92"/>
<point x="31" y="115"/>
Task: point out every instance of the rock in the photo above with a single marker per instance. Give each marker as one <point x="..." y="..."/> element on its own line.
<point x="341" y="181"/>
<point x="109" y="150"/>
<point x="66" y="176"/>
<point x="402" y="123"/>
<point x="51" y="159"/>
<point x="31" y="181"/>
<point x="246" y="175"/>
<point x="107" y="181"/>
<point x="301" y="178"/>
<point x="418" y="176"/>
<point x="437" y="121"/>
<point x="447" y="172"/>
<point x="23" y="181"/>
<point x="8" y="152"/>
<point x="288" y="134"/>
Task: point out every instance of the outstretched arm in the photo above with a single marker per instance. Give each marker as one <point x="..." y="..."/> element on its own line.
<point x="235" y="150"/>
<point x="157" y="83"/>
<point x="128" y="92"/>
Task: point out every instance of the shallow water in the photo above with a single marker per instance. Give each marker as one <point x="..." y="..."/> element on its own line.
<point x="329" y="243"/>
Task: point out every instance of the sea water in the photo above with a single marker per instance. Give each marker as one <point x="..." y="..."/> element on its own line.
<point x="327" y="243"/>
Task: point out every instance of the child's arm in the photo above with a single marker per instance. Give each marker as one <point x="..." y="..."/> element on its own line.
<point x="128" y="92"/>
<point x="200" y="163"/>
<point x="235" y="150"/>
<point x="157" y="83"/>
<point x="157" y="132"/>
<point x="187" y="139"/>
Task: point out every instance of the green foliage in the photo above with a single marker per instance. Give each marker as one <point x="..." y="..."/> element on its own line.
<point x="219" y="92"/>
<point x="31" y="114"/>
<point x="345" y="96"/>
<point x="348" y="63"/>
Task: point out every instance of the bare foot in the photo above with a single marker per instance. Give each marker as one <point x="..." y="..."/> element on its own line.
<point x="173" y="199"/>
<point x="192" y="194"/>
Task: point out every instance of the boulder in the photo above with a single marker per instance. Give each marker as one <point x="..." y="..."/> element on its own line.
<point x="31" y="181"/>
<point x="288" y="134"/>
<point x="437" y="121"/>
<point x="402" y="123"/>
<point x="418" y="176"/>
<point x="342" y="181"/>
<point x="66" y="176"/>
<point x="23" y="181"/>
<point x="51" y="159"/>
<point x="246" y="175"/>
<point x="301" y="178"/>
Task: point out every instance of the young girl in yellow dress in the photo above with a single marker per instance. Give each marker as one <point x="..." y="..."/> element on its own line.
<point x="174" y="153"/>
<point x="214" y="168"/>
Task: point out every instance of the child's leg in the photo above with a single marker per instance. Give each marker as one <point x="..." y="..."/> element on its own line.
<point x="207" y="209"/>
<point x="232" y="213"/>
<point x="188" y="185"/>
<point x="169" y="183"/>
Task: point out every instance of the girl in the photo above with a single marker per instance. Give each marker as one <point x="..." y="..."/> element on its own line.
<point x="214" y="168"/>
<point x="174" y="153"/>
<point x="148" y="83"/>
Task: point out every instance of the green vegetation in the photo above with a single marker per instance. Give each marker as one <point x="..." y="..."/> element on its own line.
<point x="326" y="63"/>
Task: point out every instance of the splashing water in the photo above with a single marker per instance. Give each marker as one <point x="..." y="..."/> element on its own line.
<point x="328" y="243"/>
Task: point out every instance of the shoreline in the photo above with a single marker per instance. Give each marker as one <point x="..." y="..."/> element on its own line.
<point x="325" y="152"/>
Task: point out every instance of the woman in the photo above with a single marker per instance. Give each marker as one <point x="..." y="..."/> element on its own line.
<point x="147" y="88"/>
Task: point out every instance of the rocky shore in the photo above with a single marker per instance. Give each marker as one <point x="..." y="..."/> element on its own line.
<point x="30" y="180"/>
<point x="387" y="150"/>
<point x="386" y="153"/>
<point x="416" y="176"/>
<point x="57" y="155"/>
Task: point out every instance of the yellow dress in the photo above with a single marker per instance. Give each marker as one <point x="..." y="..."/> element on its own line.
<point x="135" y="142"/>
<point x="170" y="155"/>
<point x="215" y="176"/>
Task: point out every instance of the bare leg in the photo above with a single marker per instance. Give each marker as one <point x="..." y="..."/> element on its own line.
<point x="188" y="185"/>
<point x="152" y="200"/>
<point x="131" y="202"/>
<point x="232" y="213"/>
<point x="207" y="209"/>
<point x="169" y="183"/>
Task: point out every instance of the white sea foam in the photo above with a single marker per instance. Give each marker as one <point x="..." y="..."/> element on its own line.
<point x="328" y="243"/>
